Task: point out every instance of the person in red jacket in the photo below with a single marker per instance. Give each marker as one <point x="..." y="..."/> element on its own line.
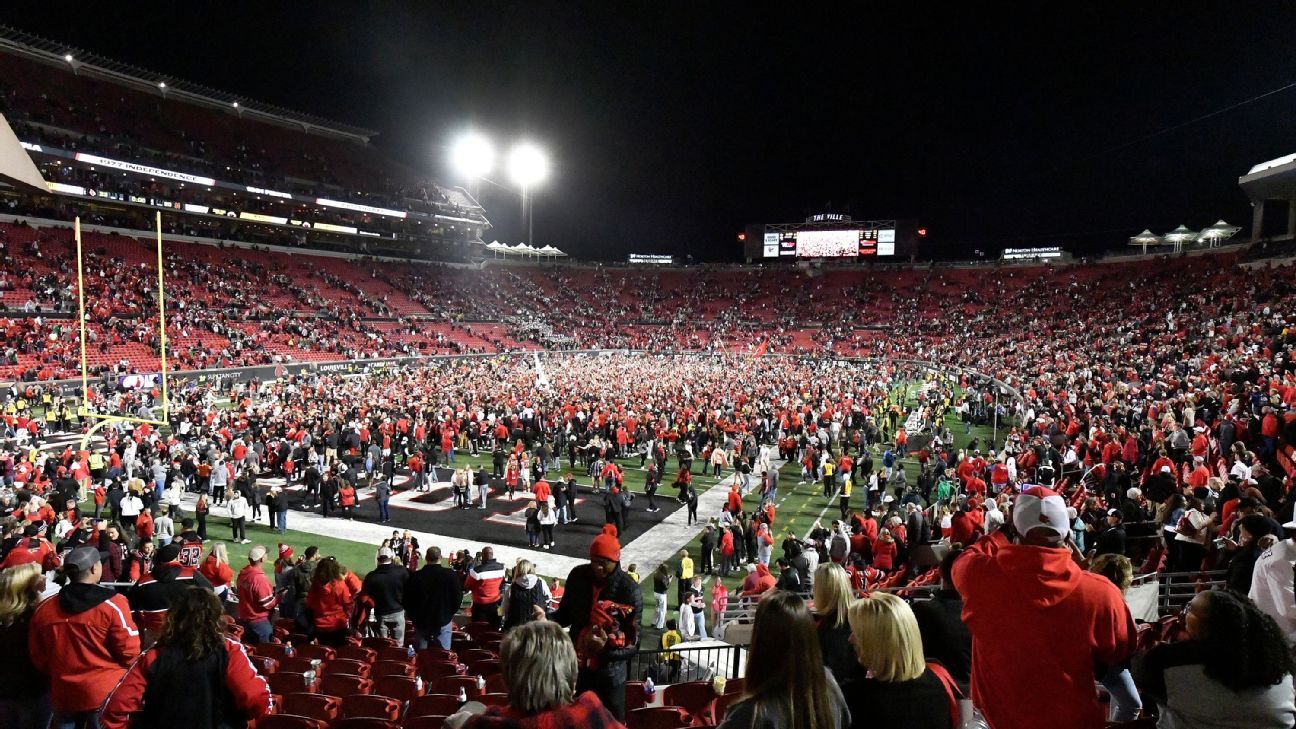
<point x="759" y="582"/>
<point x="256" y="597"/>
<point x="332" y="598"/>
<point x="483" y="581"/>
<point x="174" y="678"/>
<point x="727" y="561"/>
<point x="83" y="639"/>
<point x="734" y="500"/>
<point x="1079" y="623"/>
<point x="884" y="551"/>
<point x="34" y="547"/>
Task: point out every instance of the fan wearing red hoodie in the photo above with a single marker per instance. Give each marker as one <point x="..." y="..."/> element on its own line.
<point x="83" y="639"/>
<point x="758" y="582"/>
<point x="1023" y="679"/>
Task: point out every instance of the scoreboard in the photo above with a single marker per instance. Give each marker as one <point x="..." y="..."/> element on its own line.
<point x="833" y="239"/>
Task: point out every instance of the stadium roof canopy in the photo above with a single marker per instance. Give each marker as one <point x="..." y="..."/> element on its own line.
<point x="89" y="64"/>
<point x="1272" y="180"/>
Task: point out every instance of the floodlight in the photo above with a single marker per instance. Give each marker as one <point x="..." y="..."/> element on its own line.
<point x="528" y="165"/>
<point x="67" y="57"/>
<point x="473" y="156"/>
<point x="161" y="84"/>
<point x="236" y="105"/>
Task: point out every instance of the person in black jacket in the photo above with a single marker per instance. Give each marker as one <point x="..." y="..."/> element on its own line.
<point x="385" y="585"/>
<point x="1112" y="540"/>
<point x="154" y="594"/>
<point x="432" y="597"/>
<point x="940" y="621"/>
<point x="605" y="630"/>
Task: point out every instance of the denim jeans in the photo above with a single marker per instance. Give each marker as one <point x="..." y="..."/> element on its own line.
<point x="383" y="514"/>
<point x="1125" y="701"/>
<point x="442" y="636"/>
<point x="259" y="631"/>
<point x="281" y="520"/>
<point x="659" y="617"/>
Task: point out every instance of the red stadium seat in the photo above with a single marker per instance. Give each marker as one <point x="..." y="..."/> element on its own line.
<point x="634" y="694"/>
<point x="487" y="667"/>
<point x="316" y="706"/>
<point x="288" y="682"/>
<point x="452" y="684"/>
<point x="430" y="704"/>
<point x="265" y="665"/>
<point x="495" y="684"/>
<point x="356" y="653"/>
<point x="376" y="642"/>
<point x="391" y="654"/>
<point x="364" y="722"/>
<point x="298" y="664"/>
<point x="436" y="654"/>
<point x="397" y="687"/>
<point x="342" y="684"/>
<point x="476" y="630"/>
<point x="379" y="707"/>
<point x="277" y="651"/>
<point x="735" y="685"/>
<point x="476" y="654"/>
<point x="495" y="699"/>
<point x="311" y="650"/>
<point x="721" y="705"/>
<point x="290" y="721"/>
<point x="432" y="671"/>
<point x="695" y="697"/>
<point x="393" y="668"/>
<point x="346" y="665"/>
<point x="658" y="717"/>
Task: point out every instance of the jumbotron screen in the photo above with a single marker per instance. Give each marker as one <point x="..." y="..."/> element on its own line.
<point x="832" y="243"/>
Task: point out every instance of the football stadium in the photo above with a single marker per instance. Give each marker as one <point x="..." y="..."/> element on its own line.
<point x="312" y="425"/>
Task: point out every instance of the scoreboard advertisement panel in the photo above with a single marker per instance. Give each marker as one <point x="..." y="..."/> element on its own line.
<point x="835" y="237"/>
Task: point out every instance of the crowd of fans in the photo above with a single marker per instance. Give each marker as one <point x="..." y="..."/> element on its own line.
<point x="1191" y="474"/>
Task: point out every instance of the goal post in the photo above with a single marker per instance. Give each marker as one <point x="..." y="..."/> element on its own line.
<point x="84" y="411"/>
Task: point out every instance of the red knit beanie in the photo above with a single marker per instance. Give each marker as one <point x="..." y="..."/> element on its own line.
<point x="605" y="545"/>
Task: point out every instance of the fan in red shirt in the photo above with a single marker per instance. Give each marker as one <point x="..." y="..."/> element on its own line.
<point x="1079" y="621"/>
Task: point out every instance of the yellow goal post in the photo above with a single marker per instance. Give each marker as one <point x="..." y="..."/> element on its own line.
<point x="102" y="418"/>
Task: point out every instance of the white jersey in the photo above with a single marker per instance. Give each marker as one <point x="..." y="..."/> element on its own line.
<point x="1271" y="586"/>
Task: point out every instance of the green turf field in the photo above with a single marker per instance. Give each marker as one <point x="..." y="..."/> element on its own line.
<point x="798" y="507"/>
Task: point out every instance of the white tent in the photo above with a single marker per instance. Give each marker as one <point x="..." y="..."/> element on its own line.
<point x="1179" y="236"/>
<point x="1220" y="231"/>
<point x="1145" y="239"/>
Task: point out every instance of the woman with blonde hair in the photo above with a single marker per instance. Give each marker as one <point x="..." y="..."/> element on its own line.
<point x="538" y="664"/>
<point x="787" y="684"/>
<point x="216" y="568"/>
<point x="527" y="598"/>
<point x="832" y="600"/>
<point x="24" y="692"/>
<point x="897" y="687"/>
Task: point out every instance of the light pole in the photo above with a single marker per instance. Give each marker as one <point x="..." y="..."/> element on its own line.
<point x="528" y="166"/>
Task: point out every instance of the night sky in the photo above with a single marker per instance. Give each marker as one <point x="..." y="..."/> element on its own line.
<point x="673" y="126"/>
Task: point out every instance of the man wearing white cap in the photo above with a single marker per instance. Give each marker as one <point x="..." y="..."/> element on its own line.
<point x="1078" y="622"/>
<point x="1272" y="587"/>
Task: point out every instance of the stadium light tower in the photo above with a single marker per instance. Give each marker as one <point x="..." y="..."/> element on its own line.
<point x="528" y="166"/>
<point x="473" y="156"/>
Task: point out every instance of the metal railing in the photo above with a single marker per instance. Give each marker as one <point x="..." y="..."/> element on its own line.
<point x="1177" y="589"/>
<point x="689" y="663"/>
